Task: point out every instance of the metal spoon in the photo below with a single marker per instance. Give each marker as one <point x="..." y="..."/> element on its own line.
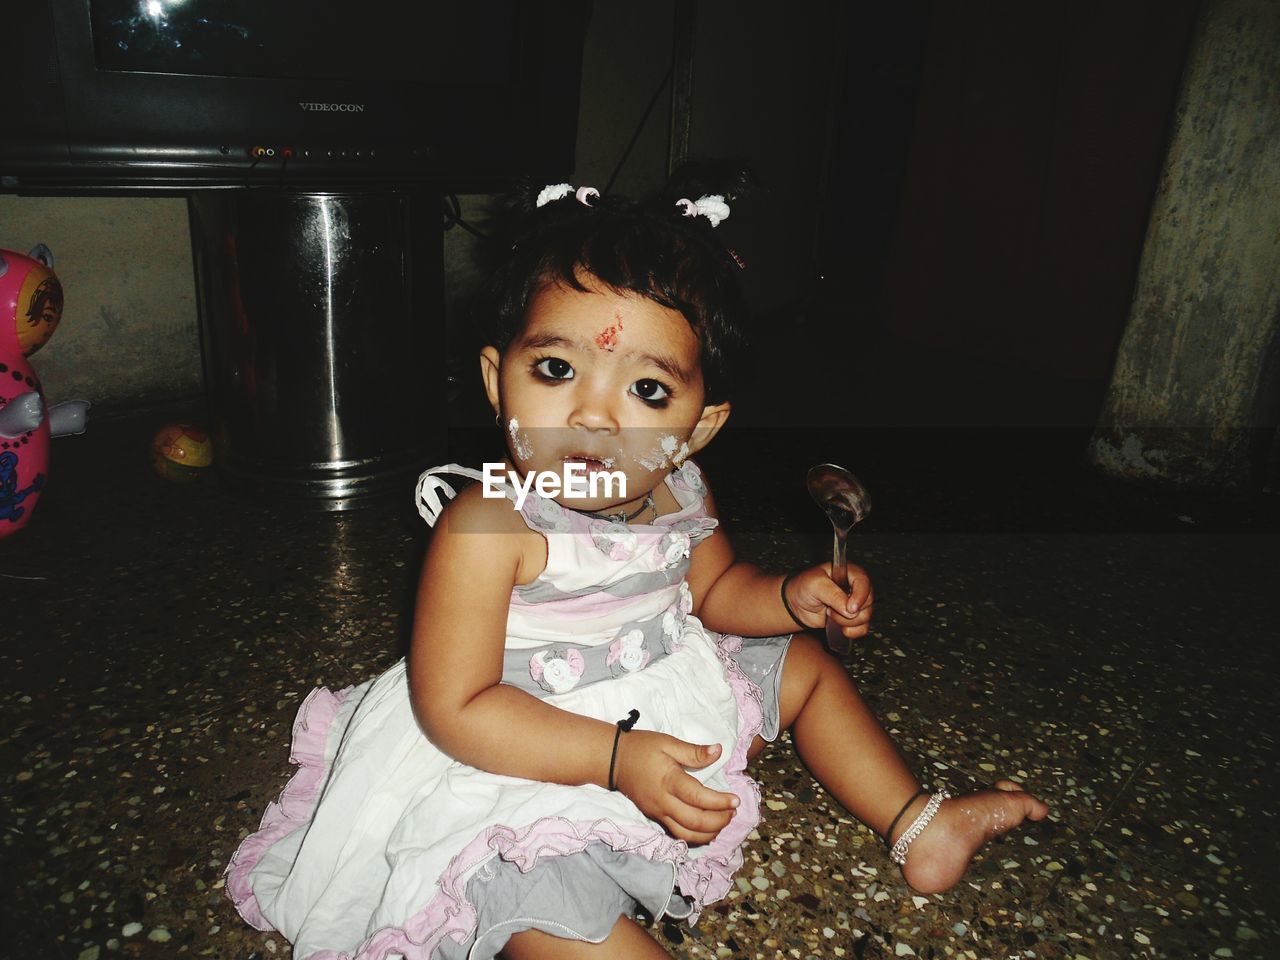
<point x="845" y="502"/>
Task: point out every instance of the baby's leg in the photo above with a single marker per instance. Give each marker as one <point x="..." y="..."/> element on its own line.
<point x="842" y="742"/>
<point x="627" y="941"/>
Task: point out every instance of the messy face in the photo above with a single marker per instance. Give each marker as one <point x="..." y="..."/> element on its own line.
<point x="609" y="381"/>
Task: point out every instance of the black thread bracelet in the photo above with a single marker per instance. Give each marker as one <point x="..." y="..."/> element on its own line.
<point x="786" y="603"/>
<point x="888" y="834"/>
<point x="625" y="724"/>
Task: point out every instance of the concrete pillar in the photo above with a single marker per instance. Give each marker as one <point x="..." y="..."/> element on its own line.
<point x="1195" y="393"/>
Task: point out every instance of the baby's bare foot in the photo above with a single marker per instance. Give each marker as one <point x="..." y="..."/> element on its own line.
<point x="938" y="857"/>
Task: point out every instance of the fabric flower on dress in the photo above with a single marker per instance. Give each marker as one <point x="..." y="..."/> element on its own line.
<point x="614" y="540"/>
<point x="546" y="514"/>
<point x="557" y="671"/>
<point x="698" y="528"/>
<point x="690" y="478"/>
<point x="627" y="653"/>
<point x="674" y="546"/>
<point x="685" y="602"/>
<point x="673" y="629"/>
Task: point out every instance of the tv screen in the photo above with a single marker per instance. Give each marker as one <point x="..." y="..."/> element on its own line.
<point x="305" y="40"/>
<point x="182" y="94"/>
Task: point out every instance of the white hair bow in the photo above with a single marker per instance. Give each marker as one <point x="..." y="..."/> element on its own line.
<point x="710" y="205"/>
<point x="556" y="191"/>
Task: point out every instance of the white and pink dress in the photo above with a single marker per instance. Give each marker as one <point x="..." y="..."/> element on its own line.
<point x="383" y="846"/>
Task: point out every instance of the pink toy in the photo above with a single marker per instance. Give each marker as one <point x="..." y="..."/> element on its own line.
<point x="30" y="308"/>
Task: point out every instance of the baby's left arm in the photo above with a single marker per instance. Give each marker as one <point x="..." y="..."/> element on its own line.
<point x="732" y="596"/>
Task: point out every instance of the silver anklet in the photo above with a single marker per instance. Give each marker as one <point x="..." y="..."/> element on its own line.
<point x="899" y="852"/>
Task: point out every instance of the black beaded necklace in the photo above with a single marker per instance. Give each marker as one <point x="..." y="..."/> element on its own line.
<point x="623" y="516"/>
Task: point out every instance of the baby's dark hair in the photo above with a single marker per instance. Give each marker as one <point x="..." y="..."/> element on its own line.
<point x="648" y="248"/>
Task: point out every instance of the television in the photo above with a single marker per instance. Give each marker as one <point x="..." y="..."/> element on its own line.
<point x="112" y="96"/>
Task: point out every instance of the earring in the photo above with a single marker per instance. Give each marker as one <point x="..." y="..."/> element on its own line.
<point x="497" y="420"/>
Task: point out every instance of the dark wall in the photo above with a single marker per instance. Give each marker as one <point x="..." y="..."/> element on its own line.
<point x="1037" y="143"/>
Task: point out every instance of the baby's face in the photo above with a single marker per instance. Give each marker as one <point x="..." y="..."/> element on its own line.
<point x="608" y="381"/>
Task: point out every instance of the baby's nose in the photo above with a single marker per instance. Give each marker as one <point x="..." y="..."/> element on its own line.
<point x="594" y="412"/>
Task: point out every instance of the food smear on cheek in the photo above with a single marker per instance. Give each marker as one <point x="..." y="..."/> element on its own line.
<point x="677" y="455"/>
<point x="655" y="460"/>
<point x="520" y="443"/>
<point x="609" y="337"/>
<point x="669" y="452"/>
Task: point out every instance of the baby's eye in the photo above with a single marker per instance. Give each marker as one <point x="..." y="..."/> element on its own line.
<point x="553" y="368"/>
<point x="650" y="391"/>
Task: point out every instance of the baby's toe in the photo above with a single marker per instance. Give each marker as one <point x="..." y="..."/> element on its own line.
<point x="1031" y="806"/>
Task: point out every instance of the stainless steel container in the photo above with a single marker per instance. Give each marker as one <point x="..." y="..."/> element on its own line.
<point x="321" y="319"/>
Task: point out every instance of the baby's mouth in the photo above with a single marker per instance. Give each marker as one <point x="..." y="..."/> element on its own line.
<point x="592" y="464"/>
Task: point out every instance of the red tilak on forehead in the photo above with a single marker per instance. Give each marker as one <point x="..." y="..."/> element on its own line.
<point x="608" y="338"/>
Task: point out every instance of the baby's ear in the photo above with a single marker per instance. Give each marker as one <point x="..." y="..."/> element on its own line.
<point x="490" y="365"/>
<point x="713" y="417"/>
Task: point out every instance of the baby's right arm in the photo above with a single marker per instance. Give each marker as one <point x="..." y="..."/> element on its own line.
<point x="477" y="554"/>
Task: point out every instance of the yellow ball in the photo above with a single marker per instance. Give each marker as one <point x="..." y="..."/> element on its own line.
<point x="180" y="452"/>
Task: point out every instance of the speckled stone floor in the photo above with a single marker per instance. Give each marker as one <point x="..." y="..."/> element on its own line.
<point x="1111" y="647"/>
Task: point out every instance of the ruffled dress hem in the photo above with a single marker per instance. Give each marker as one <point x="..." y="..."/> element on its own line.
<point x="296" y="803"/>
<point x="703" y="879"/>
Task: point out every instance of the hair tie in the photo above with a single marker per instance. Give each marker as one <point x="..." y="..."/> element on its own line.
<point x="709" y="205"/>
